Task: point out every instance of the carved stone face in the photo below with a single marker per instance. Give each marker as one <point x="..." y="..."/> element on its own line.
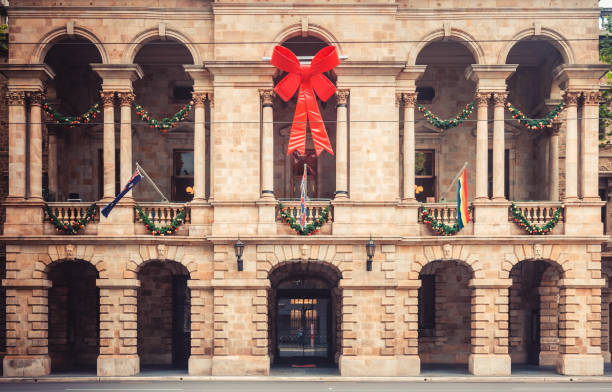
<point x="447" y="249"/>
<point x="162" y="251"/>
<point x="537" y="251"/>
<point x="70" y="251"/>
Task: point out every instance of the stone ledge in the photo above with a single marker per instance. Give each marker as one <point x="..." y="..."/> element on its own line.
<point x="582" y="283"/>
<point x="117" y="283"/>
<point x="26" y="283"/>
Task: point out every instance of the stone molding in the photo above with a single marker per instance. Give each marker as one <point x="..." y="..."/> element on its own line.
<point x="550" y="253"/>
<point x="455" y="253"/>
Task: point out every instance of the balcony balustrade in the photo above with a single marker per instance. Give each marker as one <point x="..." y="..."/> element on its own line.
<point x="162" y="214"/>
<point x="69" y="213"/>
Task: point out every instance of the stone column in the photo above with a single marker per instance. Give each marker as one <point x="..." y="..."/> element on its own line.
<point x="35" y="142"/>
<point x="489" y="356"/>
<point x="482" y="145"/>
<point x="17" y="144"/>
<point x="409" y="100"/>
<point x="267" y="144"/>
<point x="342" y="96"/>
<point x="499" y="101"/>
<point x="108" y="102"/>
<point x="27" y="352"/>
<point x="407" y="333"/>
<point x="211" y="186"/>
<point x="554" y="162"/>
<point x="118" y="327"/>
<point x="125" y="148"/>
<point x="200" y="360"/>
<point x="580" y="328"/>
<point x="52" y="166"/>
<point x="199" y="146"/>
<point x="571" y="145"/>
<point x="589" y="175"/>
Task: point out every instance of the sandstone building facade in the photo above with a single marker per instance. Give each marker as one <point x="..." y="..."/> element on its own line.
<point x="114" y="298"/>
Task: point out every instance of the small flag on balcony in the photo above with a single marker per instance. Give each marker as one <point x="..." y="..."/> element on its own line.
<point x="463" y="216"/>
<point x="133" y="181"/>
<point x="303" y="199"/>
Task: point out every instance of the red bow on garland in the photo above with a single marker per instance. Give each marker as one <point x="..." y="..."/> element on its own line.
<point x="310" y="80"/>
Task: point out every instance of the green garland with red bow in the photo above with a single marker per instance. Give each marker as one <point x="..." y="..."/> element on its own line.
<point x="522" y="221"/>
<point x="72" y="120"/>
<point x="438" y="227"/>
<point x="165" y="123"/>
<point x="535" y="124"/>
<point x="178" y="220"/>
<point x="447" y="124"/>
<point x="71" y="228"/>
<point x="309" y="229"/>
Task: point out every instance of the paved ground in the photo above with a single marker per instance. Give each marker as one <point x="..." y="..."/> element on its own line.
<point x="301" y="387"/>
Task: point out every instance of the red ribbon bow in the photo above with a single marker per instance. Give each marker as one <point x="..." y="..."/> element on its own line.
<point x="310" y="80"/>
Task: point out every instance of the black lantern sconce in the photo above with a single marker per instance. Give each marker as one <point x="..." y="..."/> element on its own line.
<point x="238" y="249"/>
<point x="370" y="248"/>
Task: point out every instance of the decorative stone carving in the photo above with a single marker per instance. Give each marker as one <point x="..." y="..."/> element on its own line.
<point x="15" y="98"/>
<point x="126" y="98"/>
<point x="499" y="99"/>
<point x="267" y="96"/>
<point x="537" y="251"/>
<point x="409" y="99"/>
<point x="342" y="96"/>
<point x="605" y="163"/>
<point x="447" y="251"/>
<point x="107" y="97"/>
<point x="592" y="98"/>
<point x="571" y="98"/>
<point x="36" y="97"/>
<point x="304" y="249"/>
<point x="198" y="98"/>
<point x="70" y="251"/>
<point x="162" y="251"/>
<point x="211" y="100"/>
<point x="482" y="98"/>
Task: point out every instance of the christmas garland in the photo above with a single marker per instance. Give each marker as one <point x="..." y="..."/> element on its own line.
<point x="165" y="123"/>
<point x="535" y="124"/>
<point x="447" y="124"/>
<point x="522" y="221"/>
<point x="178" y="220"/>
<point x="72" y="120"/>
<point x="310" y="228"/>
<point x="71" y="228"/>
<point x="438" y="227"/>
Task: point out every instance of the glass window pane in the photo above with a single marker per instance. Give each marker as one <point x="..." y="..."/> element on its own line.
<point x="424" y="163"/>
<point x="183" y="163"/>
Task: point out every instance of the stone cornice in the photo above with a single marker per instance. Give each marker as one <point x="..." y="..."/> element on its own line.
<point x="27" y="77"/>
<point x="203" y="13"/>
<point x="497" y="13"/>
<point x="374" y="9"/>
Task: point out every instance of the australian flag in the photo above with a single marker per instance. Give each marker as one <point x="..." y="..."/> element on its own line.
<point x="303" y="200"/>
<point x="133" y="181"/>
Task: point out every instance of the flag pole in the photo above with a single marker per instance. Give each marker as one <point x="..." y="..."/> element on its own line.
<point x="144" y="173"/>
<point x="305" y="181"/>
<point x="454" y="181"/>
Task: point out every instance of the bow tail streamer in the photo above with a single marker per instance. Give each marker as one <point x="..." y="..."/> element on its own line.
<point x="317" y="126"/>
<point x="297" y="137"/>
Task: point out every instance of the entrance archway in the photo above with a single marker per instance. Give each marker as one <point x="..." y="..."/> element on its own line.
<point x="74" y="316"/>
<point x="304" y="306"/>
<point x="164" y="321"/>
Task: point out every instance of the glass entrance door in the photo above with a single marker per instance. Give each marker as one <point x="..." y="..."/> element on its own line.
<point x="303" y="326"/>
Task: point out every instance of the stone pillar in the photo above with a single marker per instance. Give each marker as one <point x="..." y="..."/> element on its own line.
<point x="342" y="96"/>
<point x="199" y="147"/>
<point x="200" y="360"/>
<point x="211" y="186"/>
<point x="571" y="145"/>
<point x="580" y="328"/>
<point x="554" y="162"/>
<point x="108" y="102"/>
<point x="267" y="144"/>
<point x="52" y="167"/>
<point x="499" y="101"/>
<point x="27" y="352"/>
<point x="118" y="327"/>
<point x="409" y="100"/>
<point x="17" y="144"/>
<point x="35" y="142"/>
<point x="407" y="328"/>
<point x="589" y="175"/>
<point x="125" y="148"/>
<point x="489" y="356"/>
<point x="482" y="145"/>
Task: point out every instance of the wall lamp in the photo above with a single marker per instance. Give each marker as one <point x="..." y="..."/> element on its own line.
<point x="238" y="249"/>
<point x="370" y="248"/>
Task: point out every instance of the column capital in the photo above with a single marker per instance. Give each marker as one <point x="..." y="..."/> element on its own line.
<point x="107" y="97"/>
<point x="198" y="98"/>
<point x="409" y="99"/>
<point x="499" y="98"/>
<point x="36" y="97"/>
<point x="15" y="98"/>
<point x="126" y="98"/>
<point x="571" y="97"/>
<point x="592" y="98"/>
<point x="267" y="96"/>
<point x="342" y="96"/>
<point x="482" y="98"/>
<point x="211" y="99"/>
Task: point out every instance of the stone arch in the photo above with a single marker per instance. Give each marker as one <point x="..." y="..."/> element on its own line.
<point x="536" y="252"/>
<point x="448" y="252"/>
<point x="159" y="252"/>
<point x="151" y="34"/>
<point x="174" y="266"/>
<point x="454" y="34"/>
<point x="312" y="267"/>
<point x="554" y="38"/>
<point x="296" y="30"/>
<point x="271" y="257"/>
<point x="49" y="39"/>
<point x="59" y="253"/>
